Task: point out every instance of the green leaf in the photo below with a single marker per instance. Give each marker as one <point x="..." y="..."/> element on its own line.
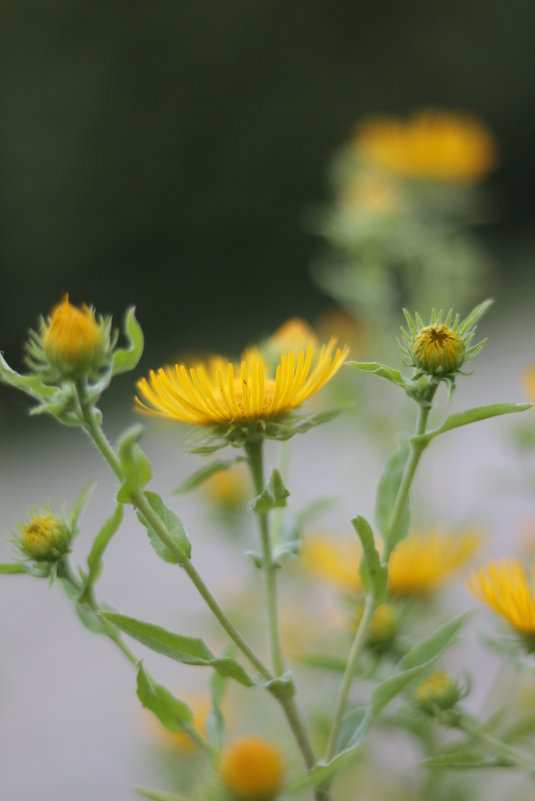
<point x="92" y="621"/>
<point x="386" y="495"/>
<point x="215" y="722"/>
<point x="273" y="496"/>
<point x="326" y="662"/>
<point x="79" y="504"/>
<point x="160" y="795"/>
<point x="432" y="646"/>
<point x="172" y="713"/>
<point x="136" y="466"/>
<point x="288" y="538"/>
<point x="30" y="384"/>
<point x="204" y="473"/>
<point x="472" y="416"/>
<point x="374" y="574"/>
<point x="188" y="650"/>
<point x="381" y="370"/>
<point x="126" y="359"/>
<point x="94" y="560"/>
<point x="13" y="568"/>
<point x="459" y="757"/>
<point x="174" y="527"/>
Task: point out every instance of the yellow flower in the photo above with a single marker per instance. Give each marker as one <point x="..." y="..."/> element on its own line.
<point x="252" y="769"/>
<point x="293" y="335"/>
<point x="504" y="586"/>
<point x="224" y="393"/>
<point x="438" y="349"/>
<point x="228" y="487"/>
<point x="529" y="383"/>
<point x="73" y="339"/>
<point x="422" y="563"/>
<point x="432" y="144"/>
<point x="419" y="565"/>
<point x="44" y="539"/>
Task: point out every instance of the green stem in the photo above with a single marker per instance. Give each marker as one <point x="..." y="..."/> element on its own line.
<point x="356" y="649"/>
<point x="254" y="451"/>
<point x="417" y="448"/>
<point x="471" y="727"/>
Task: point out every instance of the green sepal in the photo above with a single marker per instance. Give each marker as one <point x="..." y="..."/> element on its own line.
<point x="373" y="573"/>
<point x="188" y="650"/>
<point x="175" y="715"/>
<point x="94" y="560"/>
<point x="174" y="527"/>
<point x="200" y="476"/>
<point x="273" y="496"/>
<point x="382" y="370"/>
<point x="135" y="464"/>
<point x="386" y="496"/>
<point x="472" y="416"/>
<point x="14" y="568"/>
<point x="160" y="795"/>
<point x="126" y="359"/>
<point x="293" y="424"/>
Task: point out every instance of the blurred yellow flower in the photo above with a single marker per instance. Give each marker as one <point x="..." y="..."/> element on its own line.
<point x="371" y="193"/>
<point x="222" y="392"/>
<point x="293" y="335"/>
<point x="228" y="487"/>
<point x="529" y="383"/>
<point x="252" y="769"/>
<point x="505" y="587"/>
<point x="418" y="566"/>
<point x="432" y="144"/>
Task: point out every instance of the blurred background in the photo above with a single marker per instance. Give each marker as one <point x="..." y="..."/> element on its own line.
<point x="185" y="158"/>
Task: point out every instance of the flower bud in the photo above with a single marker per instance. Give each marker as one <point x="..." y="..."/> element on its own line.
<point x="439" y="691"/>
<point x="73" y="341"/>
<point x="45" y="538"/>
<point x="252" y="769"/>
<point x="438" y="350"/>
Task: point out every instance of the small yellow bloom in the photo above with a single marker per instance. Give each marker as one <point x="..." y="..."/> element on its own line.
<point x="252" y="769"/>
<point x="438" y="350"/>
<point x="505" y="587"/>
<point x="228" y="487"/>
<point x="432" y="144"/>
<point x="73" y="340"/>
<point x="439" y="691"/>
<point x="419" y="565"/>
<point x="44" y="539"/>
<point x="293" y="335"/>
<point x="224" y="393"/>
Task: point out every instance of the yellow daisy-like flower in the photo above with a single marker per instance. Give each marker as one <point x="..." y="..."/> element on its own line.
<point x="419" y="565"/>
<point x="222" y="392"/>
<point x="73" y="337"/>
<point x="505" y="587"/>
<point x="431" y="144"/>
<point x="252" y="769"/>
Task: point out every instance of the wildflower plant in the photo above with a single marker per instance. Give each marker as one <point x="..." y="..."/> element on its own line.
<point x="73" y="359"/>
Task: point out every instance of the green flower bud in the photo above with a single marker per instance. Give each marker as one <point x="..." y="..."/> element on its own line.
<point x="45" y="538"/>
<point x="438" y="350"/>
<point x="439" y="691"/>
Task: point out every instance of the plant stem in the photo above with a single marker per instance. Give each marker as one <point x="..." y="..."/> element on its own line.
<point x="356" y="649"/>
<point x="416" y="450"/>
<point x="254" y="451"/>
<point x="469" y="726"/>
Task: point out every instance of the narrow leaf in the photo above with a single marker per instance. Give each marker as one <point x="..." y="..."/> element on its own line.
<point x="435" y="644"/>
<point x="204" y="473"/>
<point x="381" y="370"/>
<point x="126" y="359"/>
<point x="473" y="416"/>
<point x="174" y="527"/>
<point x="13" y="568"/>
<point x="172" y="713"/>
<point x="387" y="492"/>
<point x="374" y="574"/>
<point x="160" y="795"/>
<point x="134" y="462"/>
<point x="94" y="560"/>
<point x="79" y="504"/>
